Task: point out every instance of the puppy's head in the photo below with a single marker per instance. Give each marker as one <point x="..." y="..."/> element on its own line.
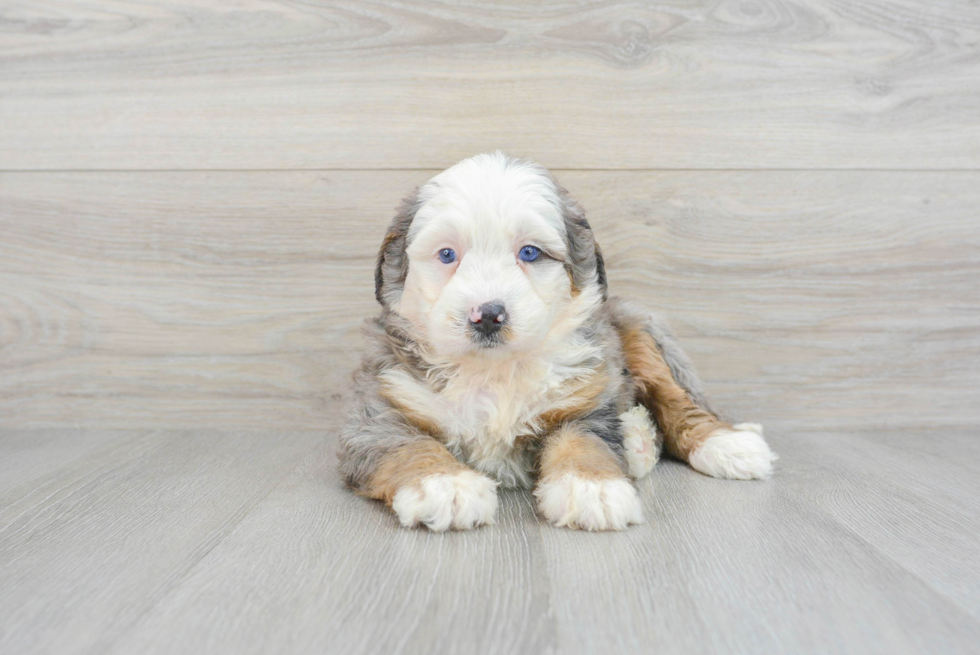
<point x="489" y="258"/>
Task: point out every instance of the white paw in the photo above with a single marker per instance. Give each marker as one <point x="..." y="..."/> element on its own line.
<point x="462" y="501"/>
<point x="641" y="447"/>
<point x="738" y="454"/>
<point x="574" y="502"/>
<point x="751" y="427"/>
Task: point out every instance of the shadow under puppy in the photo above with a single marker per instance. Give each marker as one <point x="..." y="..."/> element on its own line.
<point x="499" y="359"/>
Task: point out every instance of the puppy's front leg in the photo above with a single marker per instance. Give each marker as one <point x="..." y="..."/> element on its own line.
<point x="417" y="478"/>
<point x="582" y="483"/>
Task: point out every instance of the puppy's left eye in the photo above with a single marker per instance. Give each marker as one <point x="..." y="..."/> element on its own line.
<point x="529" y="253"/>
<point x="447" y="255"/>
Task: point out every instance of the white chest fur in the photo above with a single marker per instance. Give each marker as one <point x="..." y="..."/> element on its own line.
<point x="482" y="411"/>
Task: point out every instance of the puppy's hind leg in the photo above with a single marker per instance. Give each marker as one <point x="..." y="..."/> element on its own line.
<point x="668" y="386"/>
<point x="641" y="441"/>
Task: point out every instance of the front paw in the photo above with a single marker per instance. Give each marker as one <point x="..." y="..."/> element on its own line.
<point x="575" y="502"/>
<point x="737" y="453"/>
<point x="461" y="501"/>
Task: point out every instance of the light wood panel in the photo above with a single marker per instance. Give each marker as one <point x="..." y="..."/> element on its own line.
<point x="723" y="567"/>
<point x="807" y="299"/>
<point x="91" y="543"/>
<point x="201" y="542"/>
<point x="347" y="579"/>
<point x="205" y="270"/>
<point x="913" y="496"/>
<point x="258" y="84"/>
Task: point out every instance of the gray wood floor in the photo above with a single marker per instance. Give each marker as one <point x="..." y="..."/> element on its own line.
<point x="246" y="542"/>
<point x="191" y="199"/>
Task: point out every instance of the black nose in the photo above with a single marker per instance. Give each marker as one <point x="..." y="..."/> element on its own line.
<point x="487" y="319"/>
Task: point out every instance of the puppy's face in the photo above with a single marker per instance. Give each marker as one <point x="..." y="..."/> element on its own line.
<point x="488" y="259"/>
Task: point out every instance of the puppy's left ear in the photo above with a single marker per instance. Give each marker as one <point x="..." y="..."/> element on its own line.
<point x="392" y="266"/>
<point x="600" y="267"/>
<point x="585" y="262"/>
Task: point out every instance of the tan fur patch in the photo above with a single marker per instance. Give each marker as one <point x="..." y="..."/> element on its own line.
<point x="408" y="465"/>
<point x="684" y="425"/>
<point x="569" y="450"/>
<point x="414" y="417"/>
<point x="575" y="291"/>
<point x="583" y="399"/>
<point x="387" y="241"/>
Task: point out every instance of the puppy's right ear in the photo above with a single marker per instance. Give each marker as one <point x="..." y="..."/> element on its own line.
<point x="392" y="266"/>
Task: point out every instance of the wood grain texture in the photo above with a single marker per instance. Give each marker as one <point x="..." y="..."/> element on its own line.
<point x="913" y="497"/>
<point x="347" y="579"/>
<point x="193" y="198"/>
<point x="200" y="542"/>
<point x="258" y="84"/>
<point x="90" y="544"/>
<point x="809" y="300"/>
<point x="722" y="567"/>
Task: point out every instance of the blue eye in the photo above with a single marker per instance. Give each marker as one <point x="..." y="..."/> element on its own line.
<point x="447" y="255"/>
<point x="529" y="253"/>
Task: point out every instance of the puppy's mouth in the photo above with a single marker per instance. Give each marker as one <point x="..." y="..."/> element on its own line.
<point x="485" y="340"/>
<point x="489" y="324"/>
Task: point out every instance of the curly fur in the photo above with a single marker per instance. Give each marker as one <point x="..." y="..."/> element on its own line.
<point x="440" y="418"/>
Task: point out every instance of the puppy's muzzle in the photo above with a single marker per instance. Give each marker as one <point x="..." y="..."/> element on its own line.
<point x="487" y="319"/>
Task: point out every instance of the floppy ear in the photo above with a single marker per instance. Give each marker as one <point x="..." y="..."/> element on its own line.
<point x="600" y="268"/>
<point x="585" y="261"/>
<point x="392" y="266"/>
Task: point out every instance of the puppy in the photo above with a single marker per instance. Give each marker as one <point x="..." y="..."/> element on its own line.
<point x="499" y="360"/>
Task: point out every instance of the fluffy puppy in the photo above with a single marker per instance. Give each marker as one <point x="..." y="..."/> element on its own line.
<point x="498" y="359"/>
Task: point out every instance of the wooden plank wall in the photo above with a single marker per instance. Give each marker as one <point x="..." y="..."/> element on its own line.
<point x="192" y="194"/>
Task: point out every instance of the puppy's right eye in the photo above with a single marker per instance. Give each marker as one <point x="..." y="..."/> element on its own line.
<point x="447" y="255"/>
<point x="530" y="253"/>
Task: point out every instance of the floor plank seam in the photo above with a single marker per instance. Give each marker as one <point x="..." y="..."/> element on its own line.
<point x="797" y="500"/>
<point x="176" y="584"/>
<point x="70" y="465"/>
